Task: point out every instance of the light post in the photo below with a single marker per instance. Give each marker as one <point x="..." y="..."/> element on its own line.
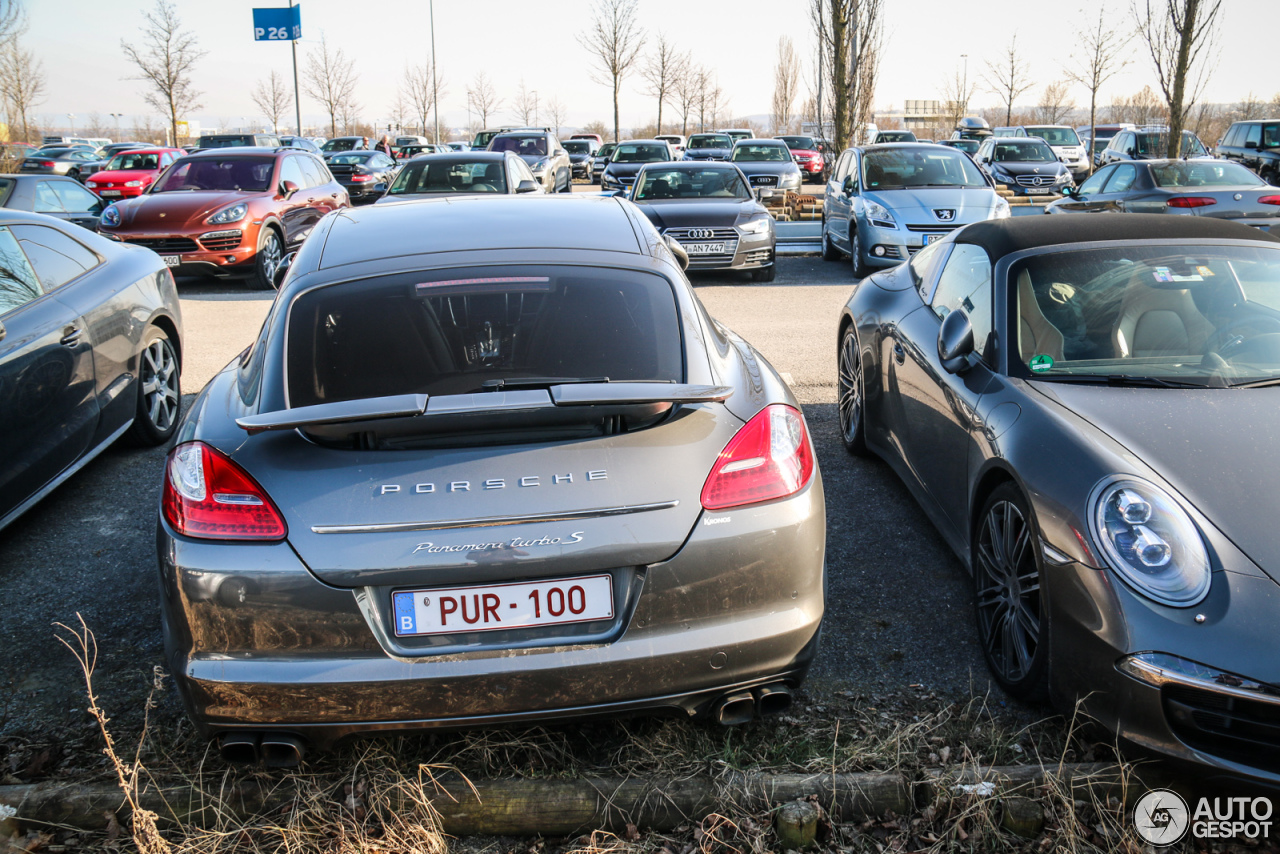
<point x="71" y="117"/>
<point x="964" y="84"/>
<point x="117" y="117"/>
<point x="435" y="88"/>
<point x="535" y="107"/>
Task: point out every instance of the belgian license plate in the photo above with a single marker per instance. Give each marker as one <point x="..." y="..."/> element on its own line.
<point x="109" y="194"/>
<point x="518" y="605"/>
<point x="704" y="248"/>
<point x="171" y="260"/>
<point x="932" y="238"/>
<point x="1037" y="191"/>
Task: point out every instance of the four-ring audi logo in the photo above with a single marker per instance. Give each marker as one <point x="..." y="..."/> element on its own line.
<point x="701" y="234"/>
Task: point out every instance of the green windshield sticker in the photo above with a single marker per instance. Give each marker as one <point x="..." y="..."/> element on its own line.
<point x="1041" y="363"/>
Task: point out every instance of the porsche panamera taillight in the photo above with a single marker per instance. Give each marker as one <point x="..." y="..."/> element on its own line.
<point x="208" y="496"/>
<point x="770" y="457"/>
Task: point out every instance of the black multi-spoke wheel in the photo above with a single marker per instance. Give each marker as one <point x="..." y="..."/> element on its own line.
<point x="855" y="254"/>
<point x="1009" y="597"/>
<point x="849" y="394"/>
<point x="159" y="391"/>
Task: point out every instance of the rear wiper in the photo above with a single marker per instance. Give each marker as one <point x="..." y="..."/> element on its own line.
<point x="1120" y="380"/>
<point x="513" y="383"/>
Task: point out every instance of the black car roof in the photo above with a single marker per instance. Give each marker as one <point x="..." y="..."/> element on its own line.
<point x="1000" y="237"/>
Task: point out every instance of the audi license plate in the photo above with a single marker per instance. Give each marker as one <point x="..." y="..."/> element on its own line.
<point x="109" y="194"/>
<point x="932" y="238"/>
<point x="1037" y="191"/>
<point x="502" y="606"/>
<point x="704" y="248"/>
<point x="171" y="260"/>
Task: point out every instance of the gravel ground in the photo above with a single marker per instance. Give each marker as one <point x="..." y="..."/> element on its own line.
<point x="899" y="612"/>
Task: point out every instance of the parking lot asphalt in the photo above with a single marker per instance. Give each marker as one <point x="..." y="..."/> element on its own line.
<point x="899" y="611"/>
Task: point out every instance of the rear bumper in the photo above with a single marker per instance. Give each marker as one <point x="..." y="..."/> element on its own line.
<point x="256" y="642"/>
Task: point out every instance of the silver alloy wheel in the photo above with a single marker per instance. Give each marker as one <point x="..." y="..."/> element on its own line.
<point x="270" y="255"/>
<point x="849" y="389"/>
<point x="159" y="374"/>
<point x="1008" y="592"/>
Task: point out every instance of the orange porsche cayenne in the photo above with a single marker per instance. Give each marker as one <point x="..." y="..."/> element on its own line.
<point x="230" y="212"/>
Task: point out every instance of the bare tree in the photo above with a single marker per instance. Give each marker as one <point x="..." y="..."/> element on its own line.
<point x="1102" y="53"/>
<point x="482" y="99"/>
<point x="1252" y="107"/>
<point x="94" y="126"/>
<point x="145" y="129"/>
<point x="1055" y="104"/>
<point x="13" y="20"/>
<point x="1180" y="36"/>
<point x="525" y="105"/>
<point x="273" y="97"/>
<point x="661" y="71"/>
<point x="330" y="78"/>
<point x="599" y="128"/>
<point x="419" y="87"/>
<point x="22" y="84"/>
<point x="165" y="61"/>
<point x="850" y="38"/>
<point x="686" y="93"/>
<point x="786" y="84"/>
<point x="557" y="114"/>
<point x="614" y="39"/>
<point x="957" y="93"/>
<point x="1009" y="78"/>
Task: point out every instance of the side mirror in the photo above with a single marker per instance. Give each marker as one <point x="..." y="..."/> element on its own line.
<point x="380" y="187"/>
<point x="3" y="331"/>
<point x="527" y="186"/>
<point x="1249" y="143"/>
<point x="282" y="270"/>
<point x="955" y="342"/>
<point x="559" y="151"/>
<point x="848" y="186"/>
<point x="1069" y="190"/>
<point x="677" y="250"/>
<point x="288" y="188"/>
<point x="763" y="193"/>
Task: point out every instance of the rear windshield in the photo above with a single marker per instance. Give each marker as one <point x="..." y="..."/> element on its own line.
<point x="800" y="142"/>
<point x="225" y="141"/>
<point x="577" y="146"/>
<point x="530" y="146"/>
<point x="448" y="331"/>
<point x="1203" y="173"/>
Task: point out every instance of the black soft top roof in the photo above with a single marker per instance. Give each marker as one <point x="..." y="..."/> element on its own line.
<point x="1001" y="237"/>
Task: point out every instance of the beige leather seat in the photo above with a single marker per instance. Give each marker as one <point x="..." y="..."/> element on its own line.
<point x="1158" y="321"/>
<point x="1036" y="334"/>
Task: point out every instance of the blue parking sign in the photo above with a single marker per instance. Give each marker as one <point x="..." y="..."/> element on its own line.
<point x="277" y="25"/>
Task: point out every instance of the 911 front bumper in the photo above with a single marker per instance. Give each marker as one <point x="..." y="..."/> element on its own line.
<point x="257" y="643"/>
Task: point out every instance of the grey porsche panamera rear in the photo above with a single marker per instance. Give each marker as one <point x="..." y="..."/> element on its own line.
<point x="487" y="461"/>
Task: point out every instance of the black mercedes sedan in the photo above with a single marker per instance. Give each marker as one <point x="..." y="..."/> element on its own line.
<point x="1218" y="189"/>
<point x="582" y="153"/>
<point x="90" y="350"/>
<point x="709" y="209"/>
<point x="628" y="158"/>
<point x="1026" y="165"/>
<point x="1085" y="408"/>
<point x="488" y="461"/>
<point x="361" y="172"/>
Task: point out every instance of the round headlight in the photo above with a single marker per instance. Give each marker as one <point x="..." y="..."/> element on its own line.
<point x="1151" y="542"/>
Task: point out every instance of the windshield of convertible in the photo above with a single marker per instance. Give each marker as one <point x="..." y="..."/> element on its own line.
<point x="433" y="175"/>
<point x="683" y="183"/>
<point x="448" y="332"/>
<point x="1185" y="315"/>
<point x="248" y="174"/>
<point x="904" y="168"/>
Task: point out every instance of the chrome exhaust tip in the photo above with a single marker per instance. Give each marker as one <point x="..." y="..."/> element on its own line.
<point x="773" y="699"/>
<point x="282" y="751"/>
<point x="239" y="748"/>
<point x="735" y="709"/>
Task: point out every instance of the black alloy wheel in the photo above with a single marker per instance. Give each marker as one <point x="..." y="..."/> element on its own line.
<point x="850" y="402"/>
<point x="1009" y="599"/>
<point x="855" y="254"/>
<point x="270" y="251"/>
<point x="159" y="391"/>
<point x="765" y="274"/>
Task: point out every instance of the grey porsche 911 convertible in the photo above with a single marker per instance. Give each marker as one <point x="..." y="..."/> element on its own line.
<point x="488" y="460"/>
<point x="1086" y="410"/>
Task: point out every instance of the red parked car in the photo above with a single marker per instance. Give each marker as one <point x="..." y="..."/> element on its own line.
<point x="130" y="172"/>
<point x="812" y="155"/>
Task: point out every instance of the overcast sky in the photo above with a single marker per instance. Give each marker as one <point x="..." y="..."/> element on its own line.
<point x="78" y="40"/>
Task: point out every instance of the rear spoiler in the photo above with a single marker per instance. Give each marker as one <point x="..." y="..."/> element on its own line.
<point x="618" y="394"/>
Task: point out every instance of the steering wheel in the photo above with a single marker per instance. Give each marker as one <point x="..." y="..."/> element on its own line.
<point x="1225" y="340"/>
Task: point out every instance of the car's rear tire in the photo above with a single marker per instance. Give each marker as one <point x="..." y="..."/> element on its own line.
<point x="568" y="182"/>
<point x="855" y="254"/>
<point x="851" y="395"/>
<point x="765" y="274"/>
<point x="829" y="250"/>
<point x="74" y="173"/>
<point x="265" y="261"/>
<point x="1009" y="599"/>
<point x="159" y="391"/>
